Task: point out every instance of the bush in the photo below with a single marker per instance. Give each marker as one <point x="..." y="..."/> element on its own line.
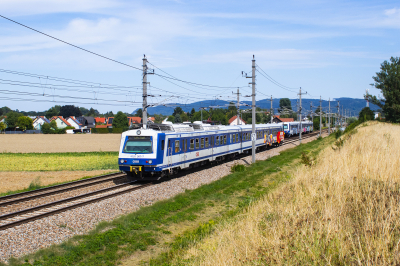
<point x="338" y="133"/>
<point x="116" y="130"/>
<point x="238" y="168"/>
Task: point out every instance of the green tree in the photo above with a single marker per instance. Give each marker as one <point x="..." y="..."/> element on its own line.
<point x="184" y="117"/>
<point x="53" y="124"/>
<point x="192" y="112"/>
<point x="12" y="119"/>
<point x="366" y="114"/>
<point x="83" y="110"/>
<point x="53" y="111"/>
<point x="139" y="113"/>
<point x="92" y="112"/>
<point x="70" y="110"/>
<point x="46" y="129"/>
<point x="178" y="119"/>
<point x="177" y="111"/>
<point x="171" y="118"/>
<point x="285" y="103"/>
<point x="120" y="121"/>
<point x="2" y="126"/>
<point x="388" y="81"/>
<point x="25" y="123"/>
<point x="109" y="114"/>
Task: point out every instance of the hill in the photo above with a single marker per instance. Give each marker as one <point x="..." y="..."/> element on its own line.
<point x="353" y="104"/>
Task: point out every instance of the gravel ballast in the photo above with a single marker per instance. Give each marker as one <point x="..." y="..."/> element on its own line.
<point x="30" y="237"/>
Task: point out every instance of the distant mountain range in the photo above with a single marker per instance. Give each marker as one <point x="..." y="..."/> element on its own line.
<point x="351" y="104"/>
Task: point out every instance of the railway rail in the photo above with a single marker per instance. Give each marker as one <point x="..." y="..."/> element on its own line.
<point x="16" y="218"/>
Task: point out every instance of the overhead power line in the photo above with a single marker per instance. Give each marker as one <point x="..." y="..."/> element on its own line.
<point x="265" y="75"/>
<point x="83" y="49"/>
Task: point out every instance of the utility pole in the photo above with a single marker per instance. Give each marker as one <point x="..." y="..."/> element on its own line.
<point x="253" y="109"/>
<point x="270" y="112"/>
<point x="144" y="106"/>
<point x="312" y="115"/>
<point x="320" y="116"/>
<point x="329" y="117"/>
<point x="237" y="116"/>
<point x="338" y="112"/>
<point x="300" y="109"/>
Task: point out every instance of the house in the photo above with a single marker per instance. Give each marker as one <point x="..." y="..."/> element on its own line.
<point x="87" y="121"/>
<point x="151" y="119"/>
<point x="60" y="121"/>
<point x="234" y="121"/>
<point x="101" y="126"/>
<point x="109" y="122"/>
<point x="39" y="121"/>
<point x="74" y="122"/>
<point x="101" y="120"/>
<point x="134" y="120"/>
<point x="278" y="119"/>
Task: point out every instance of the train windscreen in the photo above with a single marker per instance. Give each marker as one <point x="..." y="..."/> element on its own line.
<point x="136" y="144"/>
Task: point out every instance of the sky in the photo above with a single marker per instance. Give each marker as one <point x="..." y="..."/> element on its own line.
<point x="330" y="49"/>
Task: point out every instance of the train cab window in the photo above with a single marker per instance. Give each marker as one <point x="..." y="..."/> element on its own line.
<point x="202" y="143"/>
<point x="197" y="144"/>
<point x="162" y="144"/>
<point x="192" y="144"/>
<point x="138" y="144"/>
<point x="177" y="148"/>
<point x="169" y="143"/>
<point x="206" y="142"/>
<point x="224" y="139"/>
<point x="217" y="141"/>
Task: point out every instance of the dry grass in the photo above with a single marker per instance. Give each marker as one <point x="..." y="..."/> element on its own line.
<point x="40" y="143"/>
<point x="342" y="210"/>
<point x="13" y="181"/>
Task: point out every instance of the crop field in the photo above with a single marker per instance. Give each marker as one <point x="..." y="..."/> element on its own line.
<point x="341" y="208"/>
<point x="40" y="143"/>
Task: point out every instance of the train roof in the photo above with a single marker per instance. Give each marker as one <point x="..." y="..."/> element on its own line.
<point x="200" y="127"/>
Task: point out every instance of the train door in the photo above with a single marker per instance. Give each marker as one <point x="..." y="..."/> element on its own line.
<point x="169" y="152"/>
<point x="183" y="149"/>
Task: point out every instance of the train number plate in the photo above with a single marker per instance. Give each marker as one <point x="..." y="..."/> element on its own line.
<point x="135" y="161"/>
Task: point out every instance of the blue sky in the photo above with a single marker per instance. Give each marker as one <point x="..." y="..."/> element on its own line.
<point x="329" y="48"/>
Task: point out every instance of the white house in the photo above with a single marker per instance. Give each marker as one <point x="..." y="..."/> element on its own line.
<point x="234" y="121"/>
<point x="39" y="121"/>
<point x="60" y="121"/>
<point x="74" y="122"/>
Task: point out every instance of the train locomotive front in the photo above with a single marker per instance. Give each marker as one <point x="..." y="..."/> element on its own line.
<point x="139" y="153"/>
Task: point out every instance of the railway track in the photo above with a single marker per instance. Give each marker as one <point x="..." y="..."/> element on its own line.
<point x="295" y="139"/>
<point x="23" y="216"/>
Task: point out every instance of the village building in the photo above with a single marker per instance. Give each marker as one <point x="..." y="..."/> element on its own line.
<point x="74" y="122"/>
<point x="234" y="121"/>
<point x="39" y="121"/>
<point x="60" y="121"/>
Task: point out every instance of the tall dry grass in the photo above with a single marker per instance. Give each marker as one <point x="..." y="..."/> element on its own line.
<point x="345" y="209"/>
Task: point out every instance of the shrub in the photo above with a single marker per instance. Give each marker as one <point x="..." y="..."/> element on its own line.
<point x="116" y="130"/>
<point x="238" y="168"/>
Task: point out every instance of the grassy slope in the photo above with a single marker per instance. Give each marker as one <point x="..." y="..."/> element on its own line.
<point x="149" y="226"/>
<point x="70" y="161"/>
<point x="343" y="210"/>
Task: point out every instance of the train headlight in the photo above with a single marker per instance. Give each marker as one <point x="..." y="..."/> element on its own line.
<point x="121" y="161"/>
<point x="150" y="161"/>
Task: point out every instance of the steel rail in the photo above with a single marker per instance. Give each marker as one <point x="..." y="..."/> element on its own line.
<point x="63" y="209"/>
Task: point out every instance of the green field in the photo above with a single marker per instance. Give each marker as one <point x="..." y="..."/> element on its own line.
<point x="70" y="161"/>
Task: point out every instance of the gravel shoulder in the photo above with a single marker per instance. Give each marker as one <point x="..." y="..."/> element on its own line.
<point x="43" y="233"/>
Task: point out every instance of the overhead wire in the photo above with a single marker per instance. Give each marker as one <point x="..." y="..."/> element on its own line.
<point x="83" y="49"/>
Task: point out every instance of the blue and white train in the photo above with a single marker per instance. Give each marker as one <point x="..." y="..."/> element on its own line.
<point x="163" y="149"/>
<point x="293" y="128"/>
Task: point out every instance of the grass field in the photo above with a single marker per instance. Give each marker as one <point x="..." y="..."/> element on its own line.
<point x="40" y="143"/>
<point x="74" y="161"/>
<point x="160" y="227"/>
<point x="341" y="209"/>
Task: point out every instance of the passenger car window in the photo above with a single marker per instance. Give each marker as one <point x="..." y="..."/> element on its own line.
<point x="224" y="139"/>
<point x="197" y="144"/>
<point x="217" y="142"/>
<point x="177" y="149"/>
<point x="237" y="137"/>
<point x="206" y="142"/>
<point x="202" y="143"/>
<point x="162" y="144"/>
<point x="192" y="144"/>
